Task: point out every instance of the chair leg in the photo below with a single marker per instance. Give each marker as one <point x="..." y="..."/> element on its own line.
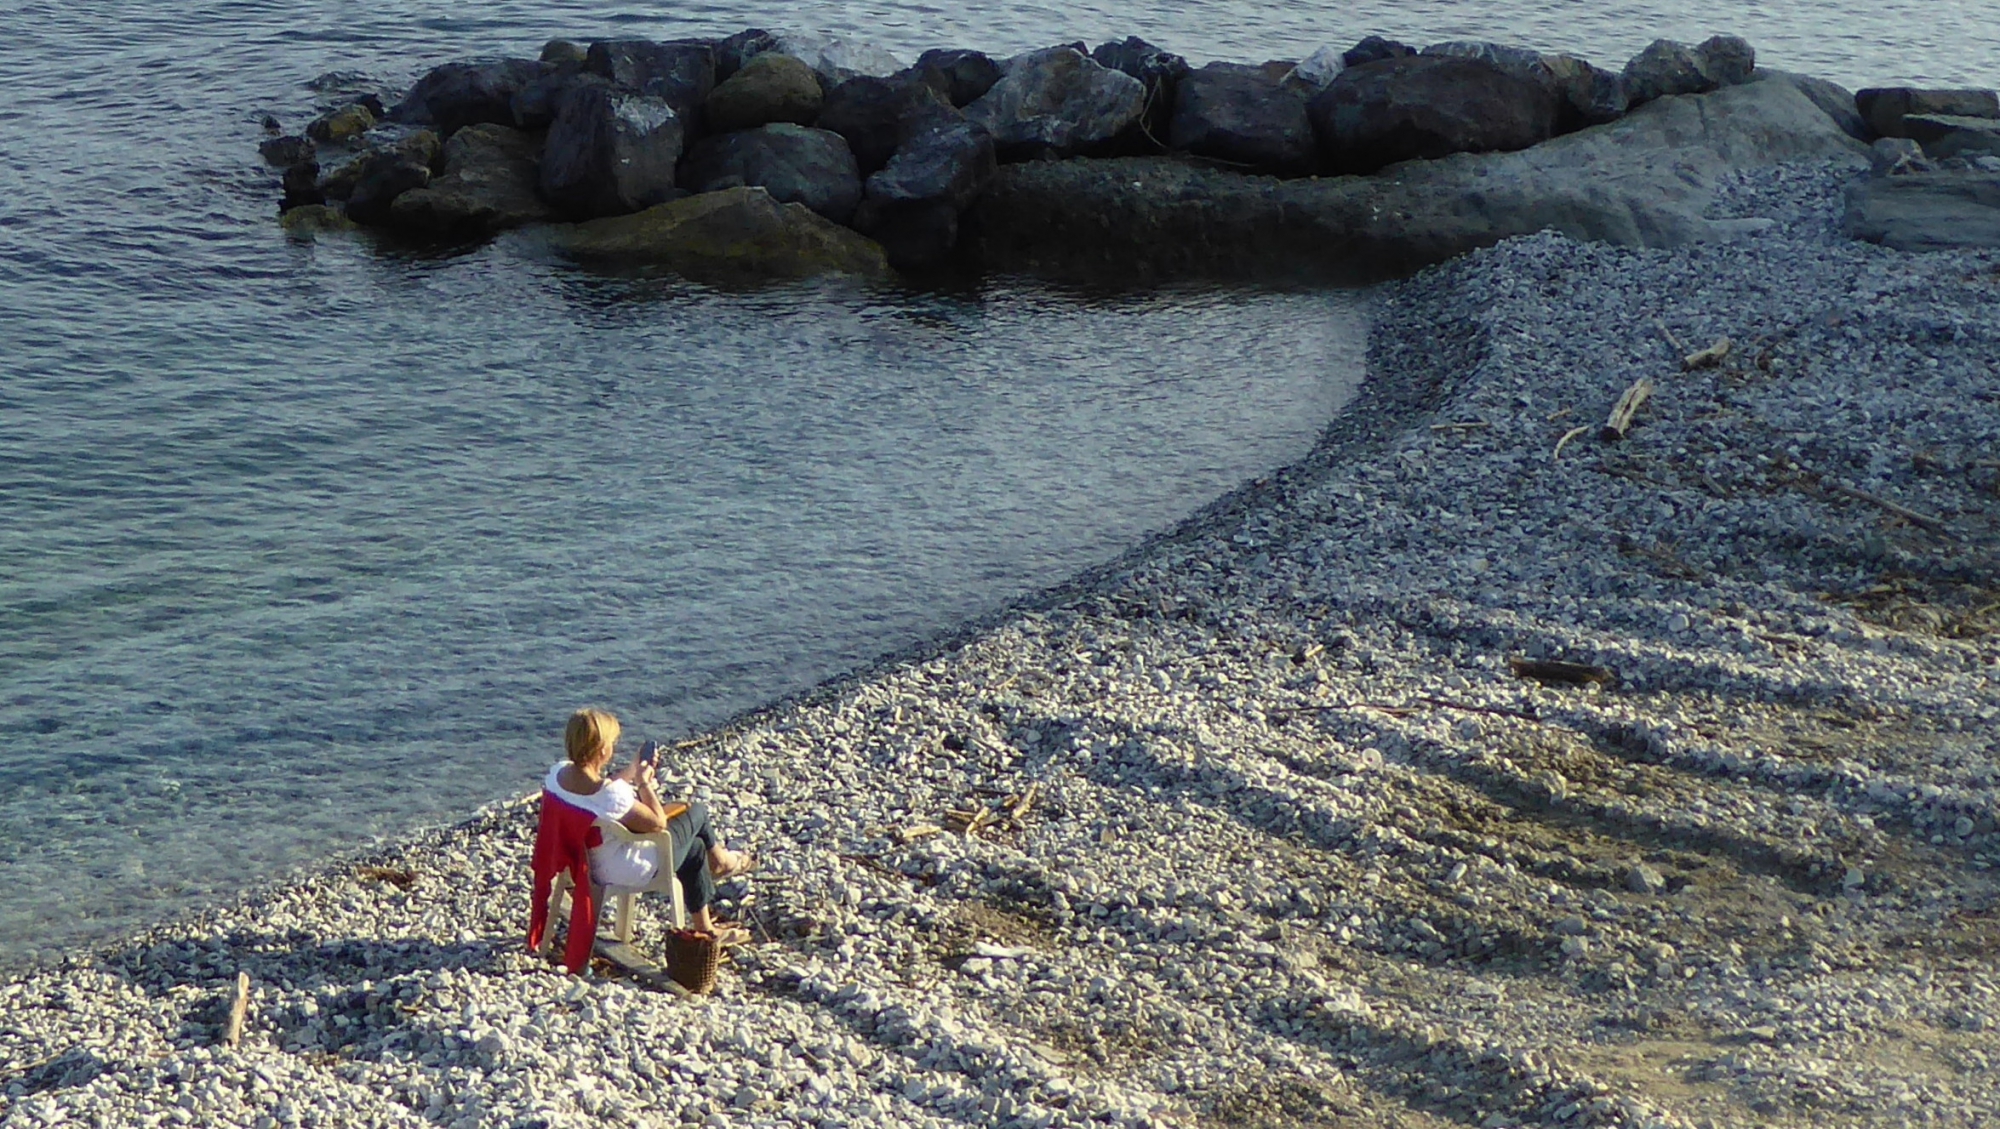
<point x="624" y="928"/>
<point x="558" y="904"/>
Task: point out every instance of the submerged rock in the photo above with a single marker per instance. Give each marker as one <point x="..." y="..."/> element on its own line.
<point x="457" y="95"/>
<point x="1926" y="211"/>
<point x="309" y="220"/>
<point x="1244" y="115"/>
<point x="1428" y="106"/>
<point x="610" y="152"/>
<point x="1058" y="103"/>
<point x="343" y="124"/>
<point x="488" y="185"/>
<point x="284" y="152"/>
<point x="769" y="88"/>
<point x="740" y="233"/>
<point x="794" y="163"/>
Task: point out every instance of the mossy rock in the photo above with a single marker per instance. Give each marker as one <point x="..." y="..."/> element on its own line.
<point x="734" y="234"/>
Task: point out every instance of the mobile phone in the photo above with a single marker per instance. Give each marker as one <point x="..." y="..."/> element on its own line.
<point x="649" y="753"/>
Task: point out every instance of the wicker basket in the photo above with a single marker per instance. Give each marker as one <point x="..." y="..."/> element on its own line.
<point x="692" y="959"/>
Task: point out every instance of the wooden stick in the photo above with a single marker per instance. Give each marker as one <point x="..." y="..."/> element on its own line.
<point x="1708" y="357"/>
<point x="1468" y="425"/>
<point x="1935" y="525"/>
<point x="1564" y="441"/>
<point x="239" y="1009"/>
<point x="1622" y="413"/>
<point x="1671" y="339"/>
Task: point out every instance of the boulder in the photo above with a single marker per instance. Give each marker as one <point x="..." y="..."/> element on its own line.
<point x="837" y="58"/>
<point x="1321" y="67"/>
<point x="912" y="206"/>
<point x="1836" y="100"/>
<point x="384" y="177"/>
<point x="301" y="186"/>
<point x="733" y="52"/>
<point x="344" y="124"/>
<point x="535" y="105"/>
<point x="609" y="152"/>
<point x="1158" y="69"/>
<point x="794" y="163"/>
<point x="1243" y="115"/>
<point x="737" y="234"/>
<point x="421" y="147"/>
<point x="1647" y="180"/>
<point x="284" y="152"/>
<point x="1946" y="135"/>
<point x="488" y="185"/>
<point x="1933" y="211"/>
<point x="308" y="221"/>
<point x="1374" y="49"/>
<point x="563" y="53"/>
<point x="1727" y="60"/>
<point x="1590" y="94"/>
<point x="457" y="95"/>
<point x="1058" y="103"/>
<point x="871" y="114"/>
<point x="769" y="88"/>
<point x="963" y="77"/>
<point x="1885" y="107"/>
<point x="1426" y="106"/>
<point x="679" y="72"/>
<point x="1664" y="68"/>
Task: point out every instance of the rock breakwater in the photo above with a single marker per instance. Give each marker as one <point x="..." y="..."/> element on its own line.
<point x="1367" y="162"/>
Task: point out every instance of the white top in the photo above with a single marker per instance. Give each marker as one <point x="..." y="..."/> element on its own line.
<point x="615" y="863"/>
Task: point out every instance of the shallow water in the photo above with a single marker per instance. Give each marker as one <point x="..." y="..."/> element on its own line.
<point x="304" y="543"/>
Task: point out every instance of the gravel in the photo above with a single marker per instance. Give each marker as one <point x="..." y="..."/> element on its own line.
<point x="1273" y="834"/>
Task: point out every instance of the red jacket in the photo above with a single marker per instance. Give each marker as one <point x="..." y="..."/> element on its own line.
<point x="562" y="842"/>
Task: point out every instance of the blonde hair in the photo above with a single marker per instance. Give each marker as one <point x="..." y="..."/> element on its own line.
<point x="589" y="736"/>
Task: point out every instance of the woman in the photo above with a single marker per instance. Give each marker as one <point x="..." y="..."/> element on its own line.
<point x="591" y="739"/>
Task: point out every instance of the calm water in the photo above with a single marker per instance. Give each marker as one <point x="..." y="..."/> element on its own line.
<point x="302" y="544"/>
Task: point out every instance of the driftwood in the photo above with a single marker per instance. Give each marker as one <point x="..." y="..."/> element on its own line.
<point x="1709" y="357"/>
<point x="1572" y="433"/>
<point x="1468" y="425"/>
<point x="1921" y="520"/>
<point x="1570" y="674"/>
<point x="1679" y="346"/>
<point x="239" y="1010"/>
<point x="1623" y="412"/>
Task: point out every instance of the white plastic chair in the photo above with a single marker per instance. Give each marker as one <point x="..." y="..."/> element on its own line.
<point x="664" y="881"/>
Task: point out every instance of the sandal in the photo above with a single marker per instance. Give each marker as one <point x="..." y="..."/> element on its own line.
<point x="746" y="862"/>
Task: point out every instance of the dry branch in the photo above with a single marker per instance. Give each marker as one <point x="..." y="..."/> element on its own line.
<point x="1925" y="521"/>
<point x="1623" y="412"/>
<point x="1709" y="357"/>
<point x="1572" y="433"/>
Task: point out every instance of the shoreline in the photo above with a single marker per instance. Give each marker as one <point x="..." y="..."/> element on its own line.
<point x="1301" y="849"/>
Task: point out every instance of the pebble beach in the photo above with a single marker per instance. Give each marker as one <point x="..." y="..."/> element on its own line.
<point x="1258" y="825"/>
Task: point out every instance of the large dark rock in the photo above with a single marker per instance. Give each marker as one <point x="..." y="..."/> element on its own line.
<point x="1374" y="49"/>
<point x="563" y="53"/>
<point x="1159" y="69"/>
<point x="963" y="77"/>
<point x="795" y="164"/>
<point x="1885" y="107"/>
<point x="871" y="113"/>
<point x="1649" y="179"/>
<point x="1590" y="94"/>
<point x="733" y="52"/>
<point x="1946" y="135"/>
<point x="1426" y="106"/>
<point x="1933" y="211"/>
<point x="1664" y="68"/>
<point x="1058" y="103"/>
<point x="1727" y="60"/>
<point x="680" y="72"/>
<point x="284" y="152"/>
<point x="457" y="95"/>
<point x="769" y="88"/>
<point x="488" y="185"/>
<point x="740" y="234"/>
<point x="384" y="177"/>
<point x="1244" y="115"/>
<point x="301" y="186"/>
<point x="912" y="206"/>
<point x="536" y="104"/>
<point x="419" y="147"/>
<point x="610" y="151"/>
